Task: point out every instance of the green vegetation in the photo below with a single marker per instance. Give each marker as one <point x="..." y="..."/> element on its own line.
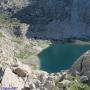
<point x="17" y="40"/>
<point x="5" y="21"/>
<point x="1" y="35"/>
<point x="24" y="54"/>
<point x="77" y="85"/>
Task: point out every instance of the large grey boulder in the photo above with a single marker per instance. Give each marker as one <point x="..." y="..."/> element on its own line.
<point x="49" y="85"/>
<point x="84" y="79"/>
<point x="68" y="19"/>
<point x="82" y="64"/>
<point x="10" y="80"/>
<point x="20" y="72"/>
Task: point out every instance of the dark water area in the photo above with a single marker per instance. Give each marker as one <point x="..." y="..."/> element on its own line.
<point x="61" y="56"/>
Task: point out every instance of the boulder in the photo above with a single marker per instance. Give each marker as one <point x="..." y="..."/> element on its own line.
<point x="1" y="73"/>
<point x="37" y="83"/>
<point x="21" y="69"/>
<point x="20" y="72"/>
<point x="41" y="75"/>
<point x="84" y="79"/>
<point x="32" y="86"/>
<point x="88" y="76"/>
<point x="82" y="64"/>
<point x="49" y="85"/>
<point x="65" y="83"/>
<point x="26" y="88"/>
<point x="10" y="80"/>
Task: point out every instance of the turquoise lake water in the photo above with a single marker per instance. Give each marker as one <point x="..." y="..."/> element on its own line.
<point x="60" y="56"/>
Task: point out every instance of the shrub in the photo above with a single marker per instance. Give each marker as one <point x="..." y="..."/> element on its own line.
<point x="6" y="21"/>
<point x="77" y="85"/>
<point x="17" y="40"/>
<point x="24" y="54"/>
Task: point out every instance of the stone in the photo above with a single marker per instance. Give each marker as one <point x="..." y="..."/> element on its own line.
<point x="20" y="72"/>
<point x="82" y="64"/>
<point x="50" y="78"/>
<point x="32" y="86"/>
<point x="37" y="83"/>
<point x="26" y="88"/>
<point x="42" y="78"/>
<point x="88" y="76"/>
<point x="10" y="80"/>
<point x="22" y="66"/>
<point x="65" y="83"/>
<point x="84" y="79"/>
<point x="1" y="74"/>
<point x="42" y="75"/>
<point x="21" y="69"/>
<point x="49" y="85"/>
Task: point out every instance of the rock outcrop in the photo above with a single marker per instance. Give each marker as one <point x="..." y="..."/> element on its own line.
<point x="10" y="80"/>
<point x="22" y="78"/>
<point x="67" y="19"/>
<point x="82" y="65"/>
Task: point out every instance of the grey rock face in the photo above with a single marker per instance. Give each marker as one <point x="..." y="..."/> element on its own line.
<point x="82" y="65"/>
<point x="11" y="80"/>
<point x="65" y="18"/>
<point x="20" y="72"/>
<point x="1" y="74"/>
<point x="49" y="85"/>
<point x="11" y="6"/>
<point x="32" y="87"/>
<point x="36" y="80"/>
<point x="84" y="79"/>
<point x="88" y="75"/>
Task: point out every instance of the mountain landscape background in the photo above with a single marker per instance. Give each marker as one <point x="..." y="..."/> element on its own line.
<point x="65" y="18"/>
<point x="27" y="28"/>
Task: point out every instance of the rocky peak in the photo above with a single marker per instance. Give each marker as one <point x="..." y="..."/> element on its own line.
<point x="11" y="6"/>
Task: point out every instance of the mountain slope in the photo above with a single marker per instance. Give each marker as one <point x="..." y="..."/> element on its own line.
<point x="57" y="19"/>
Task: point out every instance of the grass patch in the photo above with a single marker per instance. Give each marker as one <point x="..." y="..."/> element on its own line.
<point x="24" y="54"/>
<point x="1" y="35"/>
<point x="77" y="85"/>
<point x="17" y="40"/>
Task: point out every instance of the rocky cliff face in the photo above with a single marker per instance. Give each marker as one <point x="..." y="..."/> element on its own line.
<point x="57" y="19"/>
<point x="51" y="19"/>
<point x="21" y="77"/>
<point x="48" y="19"/>
<point x="82" y="65"/>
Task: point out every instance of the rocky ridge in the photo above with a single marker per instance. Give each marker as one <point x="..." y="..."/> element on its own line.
<point x="67" y="19"/>
<point x="15" y="74"/>
<point x="14" y="45"/>
<point x="20" y="76"/>
<point x="82" y="65"/>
